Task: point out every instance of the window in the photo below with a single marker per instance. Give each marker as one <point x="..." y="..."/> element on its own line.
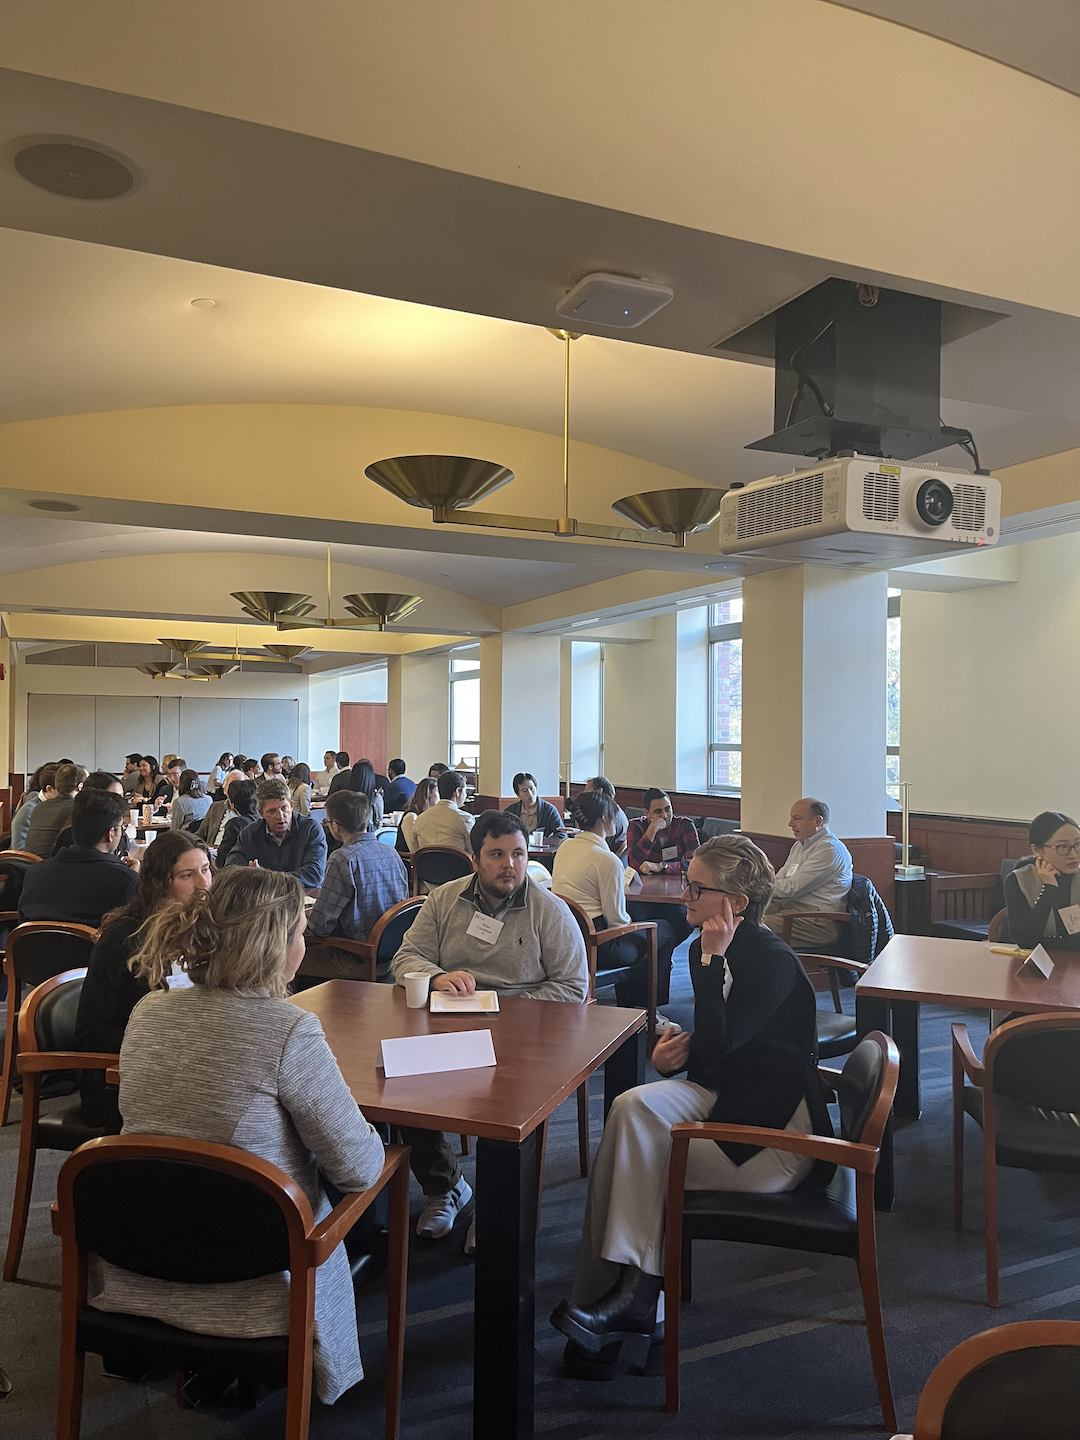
<point x="725" y="695"/>
<point x="892" y="693"/>
<point x="465" y="708"/>
<point x="586" y="710"/>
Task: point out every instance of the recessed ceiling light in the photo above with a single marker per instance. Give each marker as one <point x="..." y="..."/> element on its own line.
<point x="723" y="565"/>
<point x="204" y="303"/>
<point x="594" y="621"/>
<point x="75" y="169"/>
<point x="58" y="506"/>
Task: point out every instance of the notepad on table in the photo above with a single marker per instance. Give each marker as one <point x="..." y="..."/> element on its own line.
<point x="482" y="1001"/>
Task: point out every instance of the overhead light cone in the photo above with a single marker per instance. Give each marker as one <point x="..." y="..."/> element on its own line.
<point x="439" y="482"/>
<point x="268" y="605"/>
<point x="184" y="647"/>
<point x="676" y="512"/>
<point x="287" y="652"/>
<point x="215" y="670"/>
<point x="156" y="670"/>
<point x="381" y="609"/>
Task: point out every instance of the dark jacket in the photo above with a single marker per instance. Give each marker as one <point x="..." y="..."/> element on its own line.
<point x="233" y="830"/>
<point x="1040" y="923"/>
<point x="398" y="794"/>
<point x="110" y="992"/>
<point x="46" y="822"/>
<point x="79" y="885"/>
<point x="871" y="926"/>
<point x="547" y="817"/>
<point x="302" y="853"/>
<point x="758" y="1048"/>
<point x="210" y="824"/>
<point x="340" y="780"/>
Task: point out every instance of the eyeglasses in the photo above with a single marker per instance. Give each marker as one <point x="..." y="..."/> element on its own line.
<point x="695" y="891"/>
<point x="1066" y="849"/>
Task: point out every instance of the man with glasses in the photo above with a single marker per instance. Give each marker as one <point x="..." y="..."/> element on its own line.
<point x="815" y="876"/>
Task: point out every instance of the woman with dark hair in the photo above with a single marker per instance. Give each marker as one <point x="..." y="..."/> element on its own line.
<point x="586" y="872"/>
<point x="300" y="783"/>
<point x="534" y="813"/>
<point x="424" y="797"/>
<point x="191" y="803"/>
<point x="152" y="788"/>
<point x="173" y="868"/>
<point x="1041" y="888"/>
<point x="362" y="779"/>
<point x="220" y="770"/>
<point x="751" y="1060"/>
<point x="245" y="812"/>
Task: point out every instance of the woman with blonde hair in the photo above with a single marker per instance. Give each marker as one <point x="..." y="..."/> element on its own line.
<point x="751" y="1060"/>
<point x="231" y="1061"/>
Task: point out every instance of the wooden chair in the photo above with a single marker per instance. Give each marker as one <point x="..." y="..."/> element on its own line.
<point x="231" y="1216"/>
<point x="790" y="916"/>
<point x="1015" y="1380"/>
<point x="593" y="940"/>
<point x="837" y="1033"/>
<point x="378" y="950"/>
<point x="1026" y="1096"/>
<point x="36" y="951"/>
<point x="998" y="929"/>
<point x="838" y="1220"/>
<point x="961" y="905"/>
<point x="47" y="1045"/>
<point x="26" y="855"/>
<point x="434" y="865"/>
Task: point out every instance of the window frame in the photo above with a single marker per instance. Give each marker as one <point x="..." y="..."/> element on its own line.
<point x="718" y="634"/>
<point x="465" y="653"/>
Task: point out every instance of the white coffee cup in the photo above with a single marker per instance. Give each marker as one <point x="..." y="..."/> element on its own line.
<point x="416" y="989"/>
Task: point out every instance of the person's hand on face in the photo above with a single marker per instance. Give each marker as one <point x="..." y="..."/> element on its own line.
<point x="659" y="817"/>
<point x="1045" y="871"/>
<point x="718" y="929"/>
<point x="457" y="982"/>
<point x="671" y="1052"/>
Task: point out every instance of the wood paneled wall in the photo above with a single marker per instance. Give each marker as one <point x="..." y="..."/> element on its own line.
<point x="963" y="845"/>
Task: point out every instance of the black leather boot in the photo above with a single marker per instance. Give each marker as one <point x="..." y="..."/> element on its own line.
<point x="627" y="1313"/>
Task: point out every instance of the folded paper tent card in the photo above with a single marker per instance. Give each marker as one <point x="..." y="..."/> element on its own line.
<point x="430" y="1054"/>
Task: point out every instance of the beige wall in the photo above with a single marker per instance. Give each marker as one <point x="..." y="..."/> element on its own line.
<point x="640" y="706"/>
<point x="425" y="711"/>
<point x="990" y="691"/>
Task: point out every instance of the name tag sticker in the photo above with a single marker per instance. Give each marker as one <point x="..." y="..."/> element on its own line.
<point x="669" y="852"/>
<point x="1041" y="960"/>
<point x="485" y="927"/>
<point x="1070" y="918"/>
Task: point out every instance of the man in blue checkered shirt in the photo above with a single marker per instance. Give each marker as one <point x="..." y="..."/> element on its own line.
<point x="363" y="880"/>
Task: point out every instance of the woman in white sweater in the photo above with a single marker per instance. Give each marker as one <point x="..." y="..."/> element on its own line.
<point x="587" y="872"/>
<point x="231" y="1061"/>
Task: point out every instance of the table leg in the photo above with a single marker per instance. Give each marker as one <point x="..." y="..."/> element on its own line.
<point x="624" y="1069"/>
<point x="872" y="1013"/>
<point x="905" y="1031"/>
<point x="504" y="1321"/>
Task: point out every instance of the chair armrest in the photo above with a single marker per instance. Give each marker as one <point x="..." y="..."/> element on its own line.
<point x="6" y="915"/>
<point x="829" y="1075"/>
<point x="964" y="1055"/>
<point x="361" y="948"/>
<point x="37" y="1062"/>
<point x="816" y="915"/>
<point x="863" y="1158"/>
<point x="614" y="931"/>
<point x="54" y="1216"/>
<point x="329" y="1233"/>
<point x="112" y="1075"/>
<point x="837" y="962"/>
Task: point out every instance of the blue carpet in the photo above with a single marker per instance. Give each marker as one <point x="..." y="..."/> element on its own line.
<point x="773" y="1343"/>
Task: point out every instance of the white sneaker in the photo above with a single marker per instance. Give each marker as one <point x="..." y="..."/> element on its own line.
<point x="438" y="1215"/>
<point x="663" y="1023"/>
<point x="470" y="1240"/>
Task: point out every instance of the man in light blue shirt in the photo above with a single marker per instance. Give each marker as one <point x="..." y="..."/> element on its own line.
<point x="815" y="876"/>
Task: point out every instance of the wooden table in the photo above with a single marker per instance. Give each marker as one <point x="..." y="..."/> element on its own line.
<point x="658" y="890"/>
<point x="545" y="1049"/>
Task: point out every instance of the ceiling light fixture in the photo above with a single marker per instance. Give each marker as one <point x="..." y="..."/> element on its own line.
<point x="270" y="605"/>
<point x="58" y="507"/>
<point x="75" y="169"/>
<point x="448" y="484"/>
<point x="288" y="611"/>
<point x="381" y="608"/>
<point x="203" y="302"/>
<point x="157" y="670"/>
<point x="215" y="670"/>
<point x="184" y="647"/>
<point x="287" y="652"/>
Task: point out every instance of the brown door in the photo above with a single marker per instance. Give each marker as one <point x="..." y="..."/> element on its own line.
<point x="363" y="732"/>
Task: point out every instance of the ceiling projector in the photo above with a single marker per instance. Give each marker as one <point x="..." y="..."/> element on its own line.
<point x="861" y="512"/>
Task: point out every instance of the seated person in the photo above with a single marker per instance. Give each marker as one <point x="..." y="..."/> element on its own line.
<point x="751" y="1060"/>
<point x="175" y="865"/>
<point x="586" y="872"/>
<point x="300" y="785"/>
<point x="191" y="803"/>
<point x="363" y="781"/>
<point x="535" y="950"/>
<point x="230" y="1060"/>
<point x="280" y="840"/>
<point x="323" y="777"/>
<point x="344" y="772"/>
<point x="535" y="814"/>
<point x="216" y="778"/>
<point x="151" y="788"/>
<point x="364" y="879"/>
<point x="424" y="797"/>
<point x="271" y="764"/>
<point x="400" y="790"/>
<point x="53" y="813"/>
<point x="437" y="769"/>
<point x="40" y="788"/>
<point x="815" y="876"/>
<point x="660" y="843"/>
<point x="1039" y="889"/>
<point x="212" y="825"/>
<point x="86" y="879"/>
<point x="616" y="841"/>
<point x="104" y="780"/>
<point x="446" y="823"/>
<point x="252" y="770"/>
<point x="241" y="811"/>
<point x="130" y="778"/>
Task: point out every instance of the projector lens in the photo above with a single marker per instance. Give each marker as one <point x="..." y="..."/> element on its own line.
<point x="934" y="502"/>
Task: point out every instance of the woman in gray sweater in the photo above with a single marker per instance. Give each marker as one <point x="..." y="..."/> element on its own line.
<point x="231" y="1061"/>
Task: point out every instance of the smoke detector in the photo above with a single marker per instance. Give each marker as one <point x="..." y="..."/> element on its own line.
<point x="618" y="302"/>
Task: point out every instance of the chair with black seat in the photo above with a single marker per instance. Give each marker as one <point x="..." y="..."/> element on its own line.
<point x="36" y="951"/>
<point x="632" y="812"/>
<point x="231" y="1217"/>
<point x="1015" y="1380"/>
<point x="710" y="827"/>
<point x="434" y="865"/>
<point x="378" y="950"/>
<point x="865" y="925"/>
<point x="13" y="867"/>
<point x="835" y="1220"/>
<point x="47" y="1046"/>
<point x="836" y="1031"/>
<point x="1026" y="1097"/>
<point x="593" y="940"/>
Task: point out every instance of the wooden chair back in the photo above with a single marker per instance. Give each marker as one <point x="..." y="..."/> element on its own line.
<point x="435" y="865"/>
<point x="962" y="897"/>
<point x="999" y="927"/>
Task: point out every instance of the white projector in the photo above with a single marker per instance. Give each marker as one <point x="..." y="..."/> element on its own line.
<point x="861" y="512"/>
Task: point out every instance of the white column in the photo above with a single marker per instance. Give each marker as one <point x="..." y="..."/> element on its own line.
<point x="520" y="686"/>
<point x="814" y="643"/>
<point x="424" y="708"/>
<point x="641" y="708"/>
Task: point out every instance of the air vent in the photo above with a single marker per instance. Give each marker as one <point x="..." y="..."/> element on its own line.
<point x="969" y="507"/>
<point x="881" y="496"/>
<point x="775" y="508"/>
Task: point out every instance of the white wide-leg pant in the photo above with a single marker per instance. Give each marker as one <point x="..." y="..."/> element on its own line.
<point x="624" y="1213"/>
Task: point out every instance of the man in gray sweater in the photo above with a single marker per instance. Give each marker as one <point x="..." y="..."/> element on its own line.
<point x="491" y="931"/>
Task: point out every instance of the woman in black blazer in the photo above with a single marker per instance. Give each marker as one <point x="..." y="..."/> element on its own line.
<point x="1041" y="887"/>
<point x="751" y="1060"/>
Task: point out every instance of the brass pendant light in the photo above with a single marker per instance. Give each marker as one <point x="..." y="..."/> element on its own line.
<point x="382" y="609"/>
<point x="215" y="670"/>
<point x="184" y="647"/>
<point x="156" y="669"/>
<point x="287" y="652"/>
<point x="270" y="605"/>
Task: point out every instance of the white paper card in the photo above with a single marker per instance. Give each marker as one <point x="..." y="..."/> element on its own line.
<point x="485" y="927"/>
<point x="481" y="1001"/>
<point x="669" y="852"/>
<point x="1041" y="960"/>
<point x="430" y="1054"/>
<point x="1070" y="918"/>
